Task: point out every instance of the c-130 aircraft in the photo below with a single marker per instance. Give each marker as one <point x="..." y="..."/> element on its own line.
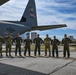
<point x="27" y="23"/>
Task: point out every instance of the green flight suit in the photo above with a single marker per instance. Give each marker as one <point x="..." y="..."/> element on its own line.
<point x="47" y="42"/>
<point x="1" y="41"/>
<point x="55" y="43"/>
<point x="8" y="41"/>
<point x="66" y="42"/>
<point x="37" y="42"/>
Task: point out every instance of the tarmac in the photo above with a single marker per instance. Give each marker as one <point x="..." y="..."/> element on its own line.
<point x="16" y="65"/>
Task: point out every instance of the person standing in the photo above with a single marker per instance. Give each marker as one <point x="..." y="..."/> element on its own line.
<point x="18" y="41"/>
<point x="47" y="42"/>
<point x="66" y="41"/>
<point x="27" y="43"/>
<point x="37" y="42"/>
<point x="8" y="41"/>
<point x="1" y="41"/>
<point x="55" y="42"/>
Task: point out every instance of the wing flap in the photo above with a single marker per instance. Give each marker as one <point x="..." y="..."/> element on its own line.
<point x="48" y="27"/>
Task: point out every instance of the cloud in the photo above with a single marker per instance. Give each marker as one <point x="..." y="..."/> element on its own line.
<point x="56" y="12"/>
<point x="12" y="10"/>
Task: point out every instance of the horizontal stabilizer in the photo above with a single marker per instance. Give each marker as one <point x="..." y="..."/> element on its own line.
<point x="3" y="1"/>
<point x="48" y="27"/>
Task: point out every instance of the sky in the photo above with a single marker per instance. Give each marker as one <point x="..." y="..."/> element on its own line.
<point x="49" y="12"/>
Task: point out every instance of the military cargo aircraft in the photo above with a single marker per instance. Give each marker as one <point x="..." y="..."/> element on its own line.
<point x="27" y="23"/>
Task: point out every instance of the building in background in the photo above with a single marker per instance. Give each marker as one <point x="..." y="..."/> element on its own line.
<point x="24" y="36"/>
<point x="72" y="38"/>
<point x="27" y="34"/>
<point x="33" y="35"/>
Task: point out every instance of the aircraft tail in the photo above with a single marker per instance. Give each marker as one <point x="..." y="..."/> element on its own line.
<point x="29" y="15"/>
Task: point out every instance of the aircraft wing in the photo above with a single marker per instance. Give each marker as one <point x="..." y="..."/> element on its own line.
<point x="3" y="1"/>
<point x="48" y="27"/>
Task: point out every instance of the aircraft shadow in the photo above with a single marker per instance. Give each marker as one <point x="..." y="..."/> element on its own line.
<point x="13" y="70"/>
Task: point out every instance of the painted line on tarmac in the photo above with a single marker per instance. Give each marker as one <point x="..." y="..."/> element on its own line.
<point x="59" y="68"/>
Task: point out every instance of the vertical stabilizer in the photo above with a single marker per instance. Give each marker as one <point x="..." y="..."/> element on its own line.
<point x="29" y="15"/>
